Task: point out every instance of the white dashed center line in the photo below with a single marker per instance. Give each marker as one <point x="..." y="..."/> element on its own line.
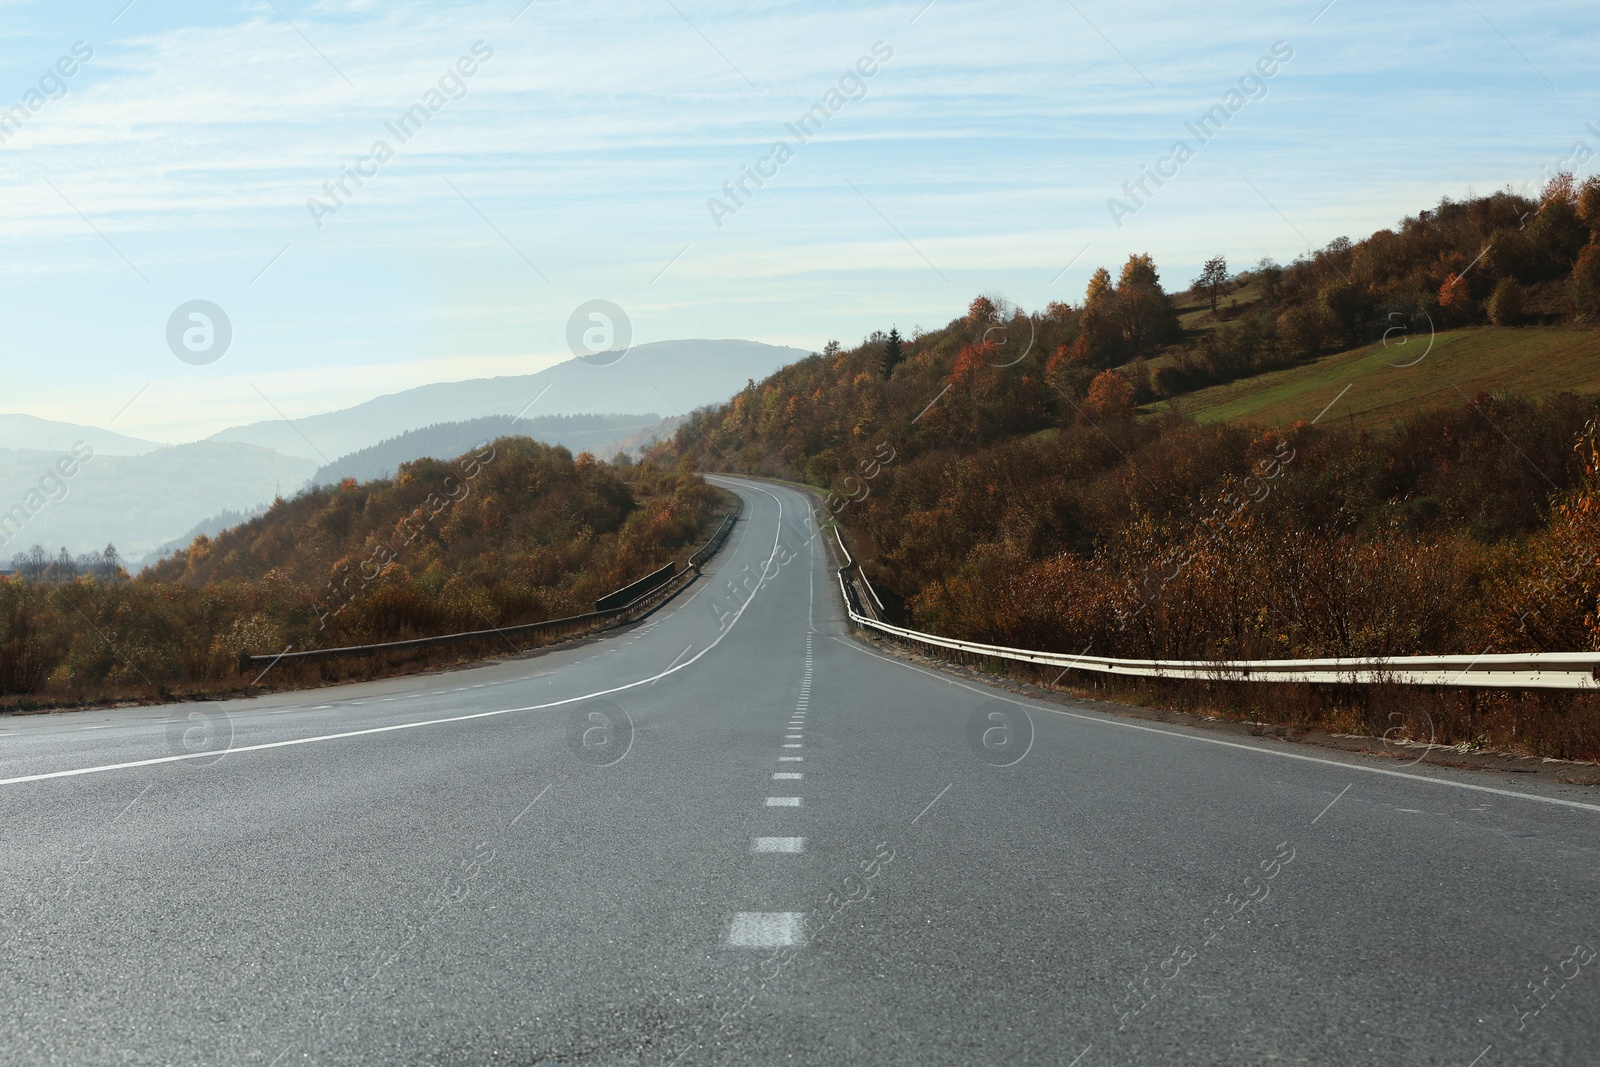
<point x="767" y="929"/>
<point x="784" y="775"/>
<point x="783" y="802"/>
<point x="777" y="844"/>
<point x="791" y="759"/>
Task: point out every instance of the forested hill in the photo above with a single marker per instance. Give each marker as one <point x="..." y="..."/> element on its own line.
<point x="1014" y="490"/>
<point x="513" y="531"/>
<point x="511" y="514"/>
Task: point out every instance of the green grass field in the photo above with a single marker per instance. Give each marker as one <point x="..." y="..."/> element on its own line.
<point x="1378" y="386"/>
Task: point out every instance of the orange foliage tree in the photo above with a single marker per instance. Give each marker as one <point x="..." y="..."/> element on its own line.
<point x="1111" y="397"/>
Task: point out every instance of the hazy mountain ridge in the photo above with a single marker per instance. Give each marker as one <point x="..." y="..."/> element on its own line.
<point x="670" y="377"/>
<point x="29" y="433"/>
<point x="602" y="435"/>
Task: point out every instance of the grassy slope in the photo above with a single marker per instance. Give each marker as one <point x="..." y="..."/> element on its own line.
<point x="1532" y="361"/>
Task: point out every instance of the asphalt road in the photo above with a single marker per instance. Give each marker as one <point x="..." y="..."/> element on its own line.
<point x="734" y="835"/>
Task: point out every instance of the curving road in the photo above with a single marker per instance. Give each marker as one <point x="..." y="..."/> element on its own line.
<point x="734" y="835"/>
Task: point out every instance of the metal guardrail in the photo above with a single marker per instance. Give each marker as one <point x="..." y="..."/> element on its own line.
<point x="629" y="593"/>
<point x="651" y="598"/>
<point x="1520" y="670"/>
<point x="714" y="542"/>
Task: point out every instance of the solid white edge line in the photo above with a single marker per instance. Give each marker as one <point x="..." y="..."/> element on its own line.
<point x="79" y="771"/>
<point x="1112" y="721"/>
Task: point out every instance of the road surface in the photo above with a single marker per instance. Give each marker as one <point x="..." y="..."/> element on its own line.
<point x="734" y="835"/>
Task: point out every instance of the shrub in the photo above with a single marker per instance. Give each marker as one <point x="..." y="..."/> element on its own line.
<point x="1505" y="303"/>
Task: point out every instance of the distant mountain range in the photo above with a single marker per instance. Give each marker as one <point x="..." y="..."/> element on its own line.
<point x="668" y="377"/>
<point x="604" y="435"/>
<point x="143" y="496"/>
<point x="27" y="433"/>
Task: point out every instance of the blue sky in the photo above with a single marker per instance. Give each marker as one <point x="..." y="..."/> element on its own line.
<point x="578" y="160"/>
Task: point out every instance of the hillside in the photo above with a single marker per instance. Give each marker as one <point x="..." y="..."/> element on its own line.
<point x="1003" y="485"/>
<point x="514" y="531"/>
<point x="1392" y="382"/>
<point x="670" y="377"/>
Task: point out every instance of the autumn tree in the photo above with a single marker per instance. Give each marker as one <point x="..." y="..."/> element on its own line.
<point x="970" y="361"/>
<point x="1111" y="396"/>
<point x="1099" y="287"/>
<point x="1556" y="232"/>
<point x="1213" y="276"/>
<point x="1347" y="305"/>
<point x="1589" y="203"/>
<point x="1140" y="270"/>
<point x="1145" y="319"/>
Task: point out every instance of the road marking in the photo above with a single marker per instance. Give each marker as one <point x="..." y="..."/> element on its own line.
<point x="786" y="737"/>
<point x="1111" y="721"/>
<point x="777" y="844"/>
<point x="320" y="738"/>
<point x="767" y="929"/>
<point x="787" y="745"/>
<point x="783" y="802"/>
<point x="787" y="775"/>
<point x="107" y="726"/>
<point x="791" y="759"/>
